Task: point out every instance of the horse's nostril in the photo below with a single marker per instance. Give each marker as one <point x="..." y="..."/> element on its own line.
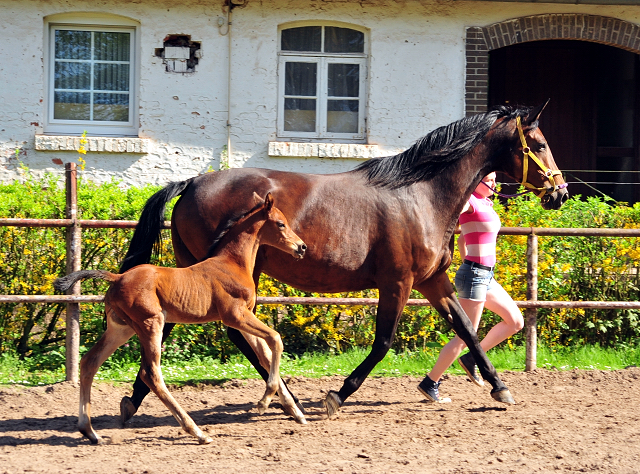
<point x="303" y="247"/>
<point x="564" y="198"/>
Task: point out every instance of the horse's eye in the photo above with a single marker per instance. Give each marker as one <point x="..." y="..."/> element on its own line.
<point x="542" y="146"/>
<point x="281" y="225"/>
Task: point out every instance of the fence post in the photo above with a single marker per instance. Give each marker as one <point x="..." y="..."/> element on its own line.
<point x="531" y="314"/>
<point x="73" y="264"/>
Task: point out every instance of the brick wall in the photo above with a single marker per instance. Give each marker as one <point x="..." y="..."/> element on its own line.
<point x="481" y="40"/>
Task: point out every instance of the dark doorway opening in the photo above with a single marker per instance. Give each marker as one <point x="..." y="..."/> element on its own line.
<point x="592" y="121"/>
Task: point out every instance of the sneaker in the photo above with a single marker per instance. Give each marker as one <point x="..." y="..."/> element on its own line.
<point x="429" y="389"/>
<point x="469" y="365"/>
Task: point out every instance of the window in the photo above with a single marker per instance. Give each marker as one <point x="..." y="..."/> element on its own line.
<point x="322" y="71"/>
<point x="91" y="80"/>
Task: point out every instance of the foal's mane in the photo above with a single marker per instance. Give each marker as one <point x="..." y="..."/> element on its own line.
<point x="434" y="152"/>
<point x="224" y="228"/>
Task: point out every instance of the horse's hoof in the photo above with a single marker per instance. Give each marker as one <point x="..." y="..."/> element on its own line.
<point x="127" y="410"/>
<point x="205" y="440"/>
<point x="262" y="407"/>
<point x="503" y="396"/>
<point x="332" y="403"/>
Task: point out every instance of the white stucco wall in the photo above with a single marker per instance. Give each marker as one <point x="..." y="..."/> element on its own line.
<point x="415" y="84"/>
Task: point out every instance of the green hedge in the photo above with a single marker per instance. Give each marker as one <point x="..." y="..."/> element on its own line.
<point x="571" y="268"/>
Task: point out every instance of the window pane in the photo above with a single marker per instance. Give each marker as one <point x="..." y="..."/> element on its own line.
<point x="343" y="40"/>
<point x="344" y="80"/>
<point x="306" y="38"/>
<point x="111" y="107"/>
<point x="111" y="77"/>
<point x="300" y="79"/>
<point x="73" y="44"/>
<point x="71" y="105"/>
<point x="72" y="75"/>
<point x="111" y="46"/>
<point x="342" y="116"/>
<point x="300" y="115"/>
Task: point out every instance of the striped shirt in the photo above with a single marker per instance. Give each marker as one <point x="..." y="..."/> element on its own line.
<point x="480" y="230"/>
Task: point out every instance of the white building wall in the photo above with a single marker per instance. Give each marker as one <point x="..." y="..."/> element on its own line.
<point x="415" y="84"/>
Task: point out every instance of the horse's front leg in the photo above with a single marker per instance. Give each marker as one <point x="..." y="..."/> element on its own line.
<point x="390" y="305"/>
<point x="439" y="291"/>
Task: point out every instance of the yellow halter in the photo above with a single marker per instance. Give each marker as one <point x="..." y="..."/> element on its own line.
<point x="525" y="168"/>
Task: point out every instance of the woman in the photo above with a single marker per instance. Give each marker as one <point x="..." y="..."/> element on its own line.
<point x="476" y="288"/>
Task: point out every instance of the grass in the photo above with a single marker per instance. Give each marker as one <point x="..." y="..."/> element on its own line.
<point x="14" y="371"/>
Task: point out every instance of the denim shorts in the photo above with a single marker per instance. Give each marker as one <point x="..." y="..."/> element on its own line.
<point x="473" y="283"/>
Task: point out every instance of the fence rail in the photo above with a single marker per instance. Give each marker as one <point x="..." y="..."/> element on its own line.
<point x="74" y="298"/>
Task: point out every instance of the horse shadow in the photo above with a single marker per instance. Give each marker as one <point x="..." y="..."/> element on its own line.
<point x="68" y="435"/>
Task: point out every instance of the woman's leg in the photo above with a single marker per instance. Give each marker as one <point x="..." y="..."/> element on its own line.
<point x="499" y="301"/>
<point x="452" y="349"/>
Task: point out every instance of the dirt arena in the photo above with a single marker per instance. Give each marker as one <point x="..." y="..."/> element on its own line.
<point x="564" y="421"/>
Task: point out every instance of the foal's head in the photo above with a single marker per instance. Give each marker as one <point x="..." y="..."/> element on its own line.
<point x="276" y="231"/>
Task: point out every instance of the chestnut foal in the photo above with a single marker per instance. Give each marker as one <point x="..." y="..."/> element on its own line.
<point x="220" y="288"/>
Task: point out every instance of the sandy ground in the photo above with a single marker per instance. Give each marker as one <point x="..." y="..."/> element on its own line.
<point x="563" y="421"/>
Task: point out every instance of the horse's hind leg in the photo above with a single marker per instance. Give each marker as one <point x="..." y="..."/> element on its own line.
<point x="150" y="338"/>
<point x="390" y="306"/>
<point x="290" y="405"/>
<point x="115" y="335"/>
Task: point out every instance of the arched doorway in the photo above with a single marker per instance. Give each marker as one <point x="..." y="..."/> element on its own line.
<point x="589" y="67"/>
<point x="592" y="115"/>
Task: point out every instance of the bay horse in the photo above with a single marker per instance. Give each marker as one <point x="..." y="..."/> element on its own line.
<point x="220" y="288"/>
<point x="387" y="224"/>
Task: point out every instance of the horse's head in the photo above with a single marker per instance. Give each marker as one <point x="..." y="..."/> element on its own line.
<point x="276" y="231"/>
<point x="533" y="163"/>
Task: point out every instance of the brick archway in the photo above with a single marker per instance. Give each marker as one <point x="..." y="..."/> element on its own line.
<point x="480" y="40"/>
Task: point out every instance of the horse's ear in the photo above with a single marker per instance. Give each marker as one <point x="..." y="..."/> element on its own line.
<point x="535" y="113"/>
<point x="257" y="199"/>
<point x="268" y="202"/>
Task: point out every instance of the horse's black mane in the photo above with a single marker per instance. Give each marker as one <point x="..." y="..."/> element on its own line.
<point x="434" y="152"/>
<point x="224" y="228"/>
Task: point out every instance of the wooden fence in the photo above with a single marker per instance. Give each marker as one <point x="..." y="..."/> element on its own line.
<point x="73" y="299"/>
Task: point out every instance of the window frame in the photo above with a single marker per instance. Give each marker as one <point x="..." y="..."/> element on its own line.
<point x="54" y="126"/>
<point x="323" y="60"/>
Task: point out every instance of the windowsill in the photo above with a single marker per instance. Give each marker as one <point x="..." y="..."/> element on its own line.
<point x="96" y="144"/>
<point x="323" y="150"/>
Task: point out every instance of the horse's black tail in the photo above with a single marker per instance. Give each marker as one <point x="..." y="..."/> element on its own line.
<point x="64" y="283"/>
<point x="147" y="233"/>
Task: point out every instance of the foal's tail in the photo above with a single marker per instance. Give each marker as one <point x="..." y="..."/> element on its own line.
<point x="147" y="233"/>
<point x="64" y="283"/>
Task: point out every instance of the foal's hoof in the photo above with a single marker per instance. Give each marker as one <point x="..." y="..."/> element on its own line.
<point x="332" y="403"/>
<point x="262" y="407"/>
<point x="127" y="410"/>
<point x="503" y="396"/>
<point x="205" y="440"/>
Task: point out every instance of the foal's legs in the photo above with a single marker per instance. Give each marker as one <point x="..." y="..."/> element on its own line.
<point x="115" y="335"/>
<point x="244" y="320"/>
<point x="290" y="404"/>
<point x="129" y="405"/>
<point x="150" y="334"/>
